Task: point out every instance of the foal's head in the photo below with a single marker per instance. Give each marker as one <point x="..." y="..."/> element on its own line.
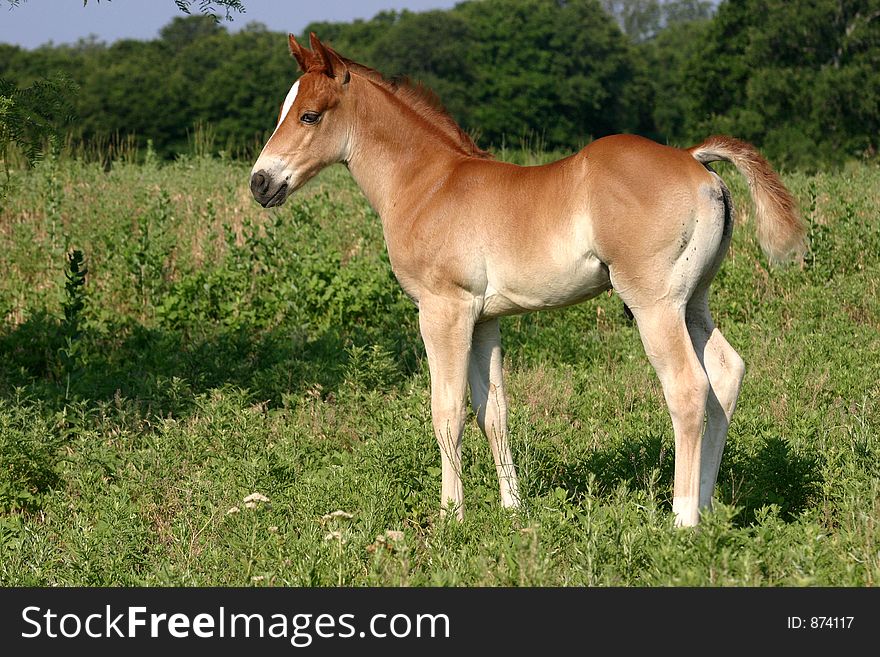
<point x="313" y="126"/>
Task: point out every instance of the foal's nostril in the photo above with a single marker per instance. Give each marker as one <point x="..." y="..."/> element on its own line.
<point x="259" y="184"/>
<point x="267" y="190"/>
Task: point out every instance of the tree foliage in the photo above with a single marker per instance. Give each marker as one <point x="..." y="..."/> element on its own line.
<point x="31" y="116"/>
<point x="557" y="72"/>
<point x="207" y="6"/>
<point x="186" y="6"/>
<point x="644" y="19"/>
<point x="799" y="79"/>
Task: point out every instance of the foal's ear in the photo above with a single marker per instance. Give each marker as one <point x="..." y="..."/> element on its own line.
<point x="300" y="54"/>
<point x="330" y="63"/>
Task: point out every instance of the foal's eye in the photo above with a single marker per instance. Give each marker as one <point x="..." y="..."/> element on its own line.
<point x="310" y="118"/>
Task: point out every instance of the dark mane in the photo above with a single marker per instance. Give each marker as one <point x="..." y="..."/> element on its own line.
<point x="424" y="102"/>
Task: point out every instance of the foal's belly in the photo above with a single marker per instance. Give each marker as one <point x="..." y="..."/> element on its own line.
<point x="513" y="289"/>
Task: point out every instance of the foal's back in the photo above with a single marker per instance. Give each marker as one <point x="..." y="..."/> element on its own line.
<point x="548" y="236"/>
<point x="622" y="183"/>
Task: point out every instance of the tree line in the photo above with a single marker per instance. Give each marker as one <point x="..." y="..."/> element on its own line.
<point x="801" y="79"/>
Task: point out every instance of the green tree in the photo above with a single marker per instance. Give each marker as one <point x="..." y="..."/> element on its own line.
<point x="31" y="115"/>
<point x="434" y="48"/>
<point x="181" y="32"/>
<point x="644" y="19"/>
<point x="132" y="88"/>
<point x="558" y="71"/>
<point x="800" y="78"/>
<point x="357" y="38"/>
<point x="240" y="93"/>
<point x="670" y="93"/>
<point x="639" y="19"/>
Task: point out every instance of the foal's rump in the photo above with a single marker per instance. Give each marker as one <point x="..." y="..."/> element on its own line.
<point x="658" y="217"/>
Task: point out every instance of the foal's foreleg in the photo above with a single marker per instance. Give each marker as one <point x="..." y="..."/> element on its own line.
<point x="447" y="328"/>
<point x="490" y="404"/>
<point x="685" y="387"/>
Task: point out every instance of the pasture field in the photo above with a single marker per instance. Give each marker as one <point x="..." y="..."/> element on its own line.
<point x="217" y="350"/>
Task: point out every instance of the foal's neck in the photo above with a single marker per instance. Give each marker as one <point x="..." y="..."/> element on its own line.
<point x="396" y="156"/>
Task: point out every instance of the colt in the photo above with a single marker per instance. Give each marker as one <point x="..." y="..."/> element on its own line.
<point x="471" y="239"/>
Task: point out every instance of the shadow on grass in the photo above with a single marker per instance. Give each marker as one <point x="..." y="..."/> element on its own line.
<point x="51" y="389"/>
<point x="163" y="371"/>
<point x="771" y="473"/>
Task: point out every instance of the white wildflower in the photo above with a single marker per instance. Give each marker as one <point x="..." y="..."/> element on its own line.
<point x="337" y="514"/>
<point x="251" y="500"/>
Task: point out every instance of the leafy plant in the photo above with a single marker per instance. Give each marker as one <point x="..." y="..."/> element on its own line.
<point x="71" y="354"/>
<point x="28" y="453"/>
<point x="33" y="116"/>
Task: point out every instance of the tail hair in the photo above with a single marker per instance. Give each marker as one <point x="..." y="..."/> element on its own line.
<point x="782" y="233"/>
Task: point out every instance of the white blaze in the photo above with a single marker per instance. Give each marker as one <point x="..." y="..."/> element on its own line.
<point x="275" y="165"/>
<point x="288" y="103"/>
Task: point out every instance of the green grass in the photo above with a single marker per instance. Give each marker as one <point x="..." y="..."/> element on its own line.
<point x="217" y="350"/>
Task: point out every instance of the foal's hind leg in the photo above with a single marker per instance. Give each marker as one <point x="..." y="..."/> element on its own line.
<point x="447" y="328"/>
<point x="668" y="346"/>
<point x="725" y="370"/>
<point x="490" y="404"/>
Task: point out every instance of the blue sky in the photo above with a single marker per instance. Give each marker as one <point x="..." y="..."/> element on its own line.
<point x="36" y="22"/>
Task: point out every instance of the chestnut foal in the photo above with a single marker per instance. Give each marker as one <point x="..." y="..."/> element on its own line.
<point x="471" y="239"/>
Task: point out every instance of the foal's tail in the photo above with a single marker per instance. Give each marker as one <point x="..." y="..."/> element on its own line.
<point x="781" y="231"/>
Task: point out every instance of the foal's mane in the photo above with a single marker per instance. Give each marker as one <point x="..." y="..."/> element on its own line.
<point x="423" y="101"/>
